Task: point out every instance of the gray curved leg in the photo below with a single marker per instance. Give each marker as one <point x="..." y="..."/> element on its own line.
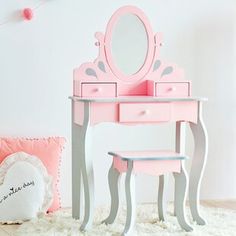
<point x="88" y="180"/>
<point x="130" y="200"/>
<point x="181" y="183"/>
<point x="87" y="170"/>
<point x="113" y="179"/>
<point x="76" y="167"/>
<point x="163" y="183"/>
<point x="198" y="165"/>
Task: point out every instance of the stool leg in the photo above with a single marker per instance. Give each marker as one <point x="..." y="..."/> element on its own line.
<point x="113" y="179"/>
<point x="181" y="183"/>
<point x="163" y="183"/>
<point x="130" y="200"/>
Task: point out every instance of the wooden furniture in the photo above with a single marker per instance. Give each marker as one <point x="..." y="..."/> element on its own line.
<point x="129" y="84"/>
<point x="156" y="163"/>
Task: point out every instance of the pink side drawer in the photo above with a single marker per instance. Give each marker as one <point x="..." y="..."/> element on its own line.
<point x="98" y="90"/>
<point x="180" y="89"/>
<point x="144" y="112"/>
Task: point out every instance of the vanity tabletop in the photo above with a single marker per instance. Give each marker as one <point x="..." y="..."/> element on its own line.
<point x="136" y="99"/>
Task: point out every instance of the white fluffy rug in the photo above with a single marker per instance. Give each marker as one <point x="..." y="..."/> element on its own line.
<point x="221" y="222"/>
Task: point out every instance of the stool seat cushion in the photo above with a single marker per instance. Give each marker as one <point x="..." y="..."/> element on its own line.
<point x="148" y="162"/>
<point x="148" y="155"/>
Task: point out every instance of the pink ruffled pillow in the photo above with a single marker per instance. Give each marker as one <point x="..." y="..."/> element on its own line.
<point x="48" y="150"/>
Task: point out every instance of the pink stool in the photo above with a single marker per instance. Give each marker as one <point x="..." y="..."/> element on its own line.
<point x="152" y="163"/>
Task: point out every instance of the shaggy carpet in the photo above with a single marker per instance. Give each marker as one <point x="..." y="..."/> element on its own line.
<point x="220" y="222"/>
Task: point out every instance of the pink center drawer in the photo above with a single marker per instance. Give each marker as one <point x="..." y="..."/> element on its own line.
<point x="165" y="89"/>
<point x="144" y="112"/>
<point x="99" y="90"/>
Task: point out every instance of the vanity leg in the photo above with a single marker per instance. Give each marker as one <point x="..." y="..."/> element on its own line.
<point x="163" y="184"/>
<point x="86" y="163"/>
<point x="113" y="179"/>
<point x="130" y="200"/>
<point x="198" y="165"/>
<point x="76" y="166"/>
<point x="88" y="180"/>
<point x="76" y="173"/>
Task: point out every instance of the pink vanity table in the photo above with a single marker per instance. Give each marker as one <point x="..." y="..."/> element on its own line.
<point x="138" y="88"/>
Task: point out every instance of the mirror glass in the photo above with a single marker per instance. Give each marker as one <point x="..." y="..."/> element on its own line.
<point x="129" y="44"/>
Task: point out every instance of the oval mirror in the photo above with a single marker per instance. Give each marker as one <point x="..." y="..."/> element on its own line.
<point x="129" y="44"/>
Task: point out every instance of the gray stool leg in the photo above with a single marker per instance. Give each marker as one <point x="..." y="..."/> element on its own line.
<point x="113" y="179"/>
<point x="181" y="183"/>
<point x="163" y="183"/>
<point x="130" y="200"/>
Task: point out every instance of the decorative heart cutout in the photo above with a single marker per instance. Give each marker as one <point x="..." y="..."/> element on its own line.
<point x="25" y="188"/>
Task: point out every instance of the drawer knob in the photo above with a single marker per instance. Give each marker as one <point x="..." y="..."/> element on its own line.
<point x="172" y="89"/>
<point x="146" y="112"/>
<point x="97" y="90"/>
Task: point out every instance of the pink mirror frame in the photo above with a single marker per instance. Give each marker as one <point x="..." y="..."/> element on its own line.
<point x="103" y="70"/>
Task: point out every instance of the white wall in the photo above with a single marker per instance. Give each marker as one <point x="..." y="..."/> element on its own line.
<point x="37" y="59"/>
